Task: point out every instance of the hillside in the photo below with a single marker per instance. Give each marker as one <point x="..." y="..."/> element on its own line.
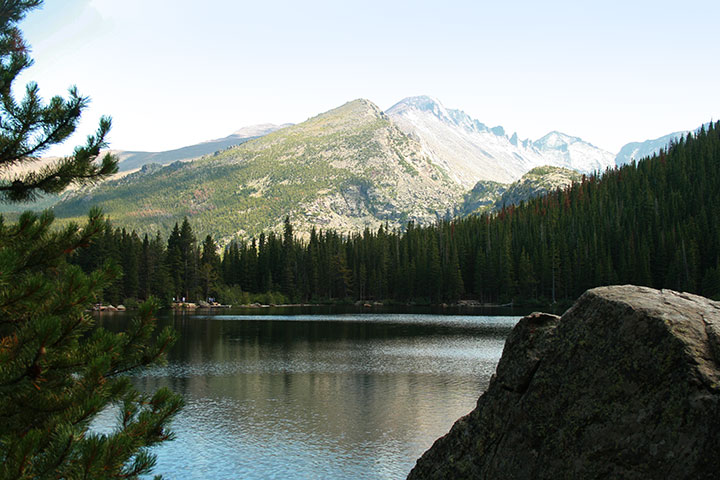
<point x="345" y="169"/>
<point x="130" y="161"/>
<point x="482" y="198"/>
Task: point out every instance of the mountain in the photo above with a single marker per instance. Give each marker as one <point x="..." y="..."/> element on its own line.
<point x="130" y="160"/>
<point x="347" y="168"/>
<point x="471" y="151"/>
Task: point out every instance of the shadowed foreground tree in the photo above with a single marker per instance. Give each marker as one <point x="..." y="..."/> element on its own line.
<point x="57" y="371"/>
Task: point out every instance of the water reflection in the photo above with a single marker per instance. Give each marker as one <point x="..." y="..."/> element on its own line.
<point x="333" y="396"/>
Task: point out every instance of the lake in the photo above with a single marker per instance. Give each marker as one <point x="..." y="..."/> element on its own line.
<point x="316" y="396"/>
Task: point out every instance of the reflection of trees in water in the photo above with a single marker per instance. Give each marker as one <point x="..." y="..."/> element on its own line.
<point x="358" y="391"/>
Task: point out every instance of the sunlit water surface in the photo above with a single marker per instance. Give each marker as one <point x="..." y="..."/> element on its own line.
<point x="354" y="396"/>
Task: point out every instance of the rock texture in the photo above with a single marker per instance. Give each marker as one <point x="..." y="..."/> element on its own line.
<point x="625" y="385"/>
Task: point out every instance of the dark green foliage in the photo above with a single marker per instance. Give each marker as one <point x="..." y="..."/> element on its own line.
<point x="289" y="265"/>
<point x="57" y="370"/>
<point x="188" y="259"/>
<point x="208" y="273"/>
<point x="173" y="260"/>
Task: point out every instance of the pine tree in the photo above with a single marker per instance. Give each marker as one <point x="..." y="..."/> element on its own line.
<point x="288" y="260"/>
<point x="130" y="264"/>
<point x="159" y="276"/>
<point x="209" y="267"/>
<point x="174" y="263"/>
<point x="188" y="260"/>
<point x="147" y="265"/>
<point x="453" y="283"/>
<point x="57" y="370"/>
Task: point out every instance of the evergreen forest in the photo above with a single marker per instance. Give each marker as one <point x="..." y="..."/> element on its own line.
<point x="655" y="223"/>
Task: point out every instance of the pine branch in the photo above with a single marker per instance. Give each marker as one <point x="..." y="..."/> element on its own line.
<point x="78" y="169"/>
<point x="58" y="121"/>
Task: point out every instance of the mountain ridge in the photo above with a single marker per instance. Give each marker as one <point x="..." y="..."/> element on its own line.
<point x="131" y="159"/>
<point x="471" y="151"/>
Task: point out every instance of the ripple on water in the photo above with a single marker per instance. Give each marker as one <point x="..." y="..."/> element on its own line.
<point x="341" y="397"/>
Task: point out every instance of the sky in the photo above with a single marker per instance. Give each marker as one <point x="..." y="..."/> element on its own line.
<point x="177" y="72"/>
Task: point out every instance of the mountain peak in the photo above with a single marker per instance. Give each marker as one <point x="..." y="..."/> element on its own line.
<point x="358" y="104"/>
<point x="422" y="105"/>
<point x="357" y="107"/>
<point x="426" y="105"/>
<point x="346" y="116"/>
<point x="563" y="150"/>
<point x="555" y="139"/>
<point x="420" y="102"/>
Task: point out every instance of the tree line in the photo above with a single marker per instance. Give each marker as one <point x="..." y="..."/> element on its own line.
<point x="653" y="223"/>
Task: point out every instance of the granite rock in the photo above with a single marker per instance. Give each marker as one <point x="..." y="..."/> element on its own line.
<point x="625" y="385"/>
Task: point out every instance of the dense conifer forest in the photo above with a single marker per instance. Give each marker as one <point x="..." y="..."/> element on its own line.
<point x="655" y="222"/>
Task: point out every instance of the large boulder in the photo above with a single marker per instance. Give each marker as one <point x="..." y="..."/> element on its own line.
<point x="625" y="385"/>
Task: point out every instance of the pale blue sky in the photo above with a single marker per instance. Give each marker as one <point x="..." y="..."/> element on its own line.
<point x="173" y="73"/>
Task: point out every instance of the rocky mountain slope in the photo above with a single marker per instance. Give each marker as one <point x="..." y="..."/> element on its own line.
<point x="129" y="161"/>
<point x="487" y="196"/>
<point x="535" y="183"/>
<point x="348" y="168"/>
<point x="482" y="198"/>
<point x="625" y="385"/>
<point x="471" y="151"/>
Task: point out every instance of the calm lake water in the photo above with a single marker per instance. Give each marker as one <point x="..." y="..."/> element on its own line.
<point x="332" y="396"/>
